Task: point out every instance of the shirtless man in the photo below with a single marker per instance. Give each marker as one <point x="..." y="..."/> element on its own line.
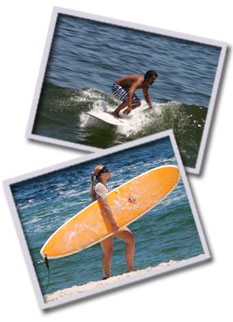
<point x="125" y="88"/>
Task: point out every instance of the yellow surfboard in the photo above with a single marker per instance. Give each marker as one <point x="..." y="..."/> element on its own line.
<point x="128" y="203"/>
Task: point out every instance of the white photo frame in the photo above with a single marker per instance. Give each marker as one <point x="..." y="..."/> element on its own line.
<point x="158" y="149"/>
<point x="47" y="129"/>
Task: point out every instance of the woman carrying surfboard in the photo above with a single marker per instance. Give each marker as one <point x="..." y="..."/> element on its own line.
<point x="99" y="192"/>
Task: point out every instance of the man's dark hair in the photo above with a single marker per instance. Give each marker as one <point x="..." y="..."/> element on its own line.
<point x="150" y="73"/>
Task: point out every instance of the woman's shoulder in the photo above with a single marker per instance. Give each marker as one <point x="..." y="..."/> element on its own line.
<point x="101" y="190"/>
<point x="100" y="185"/>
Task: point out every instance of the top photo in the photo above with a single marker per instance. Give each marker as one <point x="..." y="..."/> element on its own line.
<point x="104" y="82"/>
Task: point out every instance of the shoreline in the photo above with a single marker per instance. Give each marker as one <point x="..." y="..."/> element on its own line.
<point x="60" y="294"/>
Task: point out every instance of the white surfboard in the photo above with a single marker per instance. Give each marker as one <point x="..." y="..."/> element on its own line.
<point x="107" y="117"/>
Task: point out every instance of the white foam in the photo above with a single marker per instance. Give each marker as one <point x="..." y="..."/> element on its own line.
<point x="137" y="120"/>
<point x="91" y="94"/>
<point x="98" y="106"/>
<point x="140" y="119"/>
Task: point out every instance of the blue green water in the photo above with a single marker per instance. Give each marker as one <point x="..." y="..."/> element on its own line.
<point x="44" y="203"/>
<point x="87" y="56"/>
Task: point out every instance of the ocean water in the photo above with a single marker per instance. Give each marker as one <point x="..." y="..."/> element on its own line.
<point x="87" y="56"/>
<point x="44" y="203"/>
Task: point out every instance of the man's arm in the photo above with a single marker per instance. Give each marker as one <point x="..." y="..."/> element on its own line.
<point x="131" y="91"/>
<point x="147" y="97"/>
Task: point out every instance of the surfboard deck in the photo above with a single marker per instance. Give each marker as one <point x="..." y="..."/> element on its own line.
<point x="128" y="203"/>
<point x="107" y="117"/>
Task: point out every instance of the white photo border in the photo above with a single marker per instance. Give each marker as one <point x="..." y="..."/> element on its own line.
<point x="43" y="305"/>
<point x="81" y="147"/>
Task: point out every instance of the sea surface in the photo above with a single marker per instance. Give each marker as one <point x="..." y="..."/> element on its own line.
<point x="44" y="203"/>
<point x="87" y="56"/>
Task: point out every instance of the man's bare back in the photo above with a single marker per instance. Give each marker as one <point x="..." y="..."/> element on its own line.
<point x="128" y="81"/>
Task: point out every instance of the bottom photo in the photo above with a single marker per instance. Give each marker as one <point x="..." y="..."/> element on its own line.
<point x="106" y="220"/>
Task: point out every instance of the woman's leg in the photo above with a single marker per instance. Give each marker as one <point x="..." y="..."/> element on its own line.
<point x="126" y="235"/>
<point x="107" y="246"/>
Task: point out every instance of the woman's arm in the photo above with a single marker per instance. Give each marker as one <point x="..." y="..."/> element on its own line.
<point x="109" y="213"/>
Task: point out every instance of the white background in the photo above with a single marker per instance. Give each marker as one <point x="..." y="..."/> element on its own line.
<point x="200" y="293"/>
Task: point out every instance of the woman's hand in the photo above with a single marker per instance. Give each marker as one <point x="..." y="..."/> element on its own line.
<point x="115" y="227"/>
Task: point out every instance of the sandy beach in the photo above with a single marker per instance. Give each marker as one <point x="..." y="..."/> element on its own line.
<point x="96" y="284"/>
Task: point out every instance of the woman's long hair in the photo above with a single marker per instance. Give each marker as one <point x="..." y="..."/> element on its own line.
<point x="93" y="174"/>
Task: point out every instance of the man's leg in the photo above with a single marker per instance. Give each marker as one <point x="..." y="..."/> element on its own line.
<point x="129" y="109"/>
<point x="135" y="103"/>
<point x="119" y="108"/>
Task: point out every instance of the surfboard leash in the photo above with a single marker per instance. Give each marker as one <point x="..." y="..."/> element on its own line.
<point x="48" y="268"/>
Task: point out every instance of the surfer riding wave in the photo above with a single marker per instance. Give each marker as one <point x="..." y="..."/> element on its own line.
<point x="125" y="88"/>
<point x="99" y="192"/>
